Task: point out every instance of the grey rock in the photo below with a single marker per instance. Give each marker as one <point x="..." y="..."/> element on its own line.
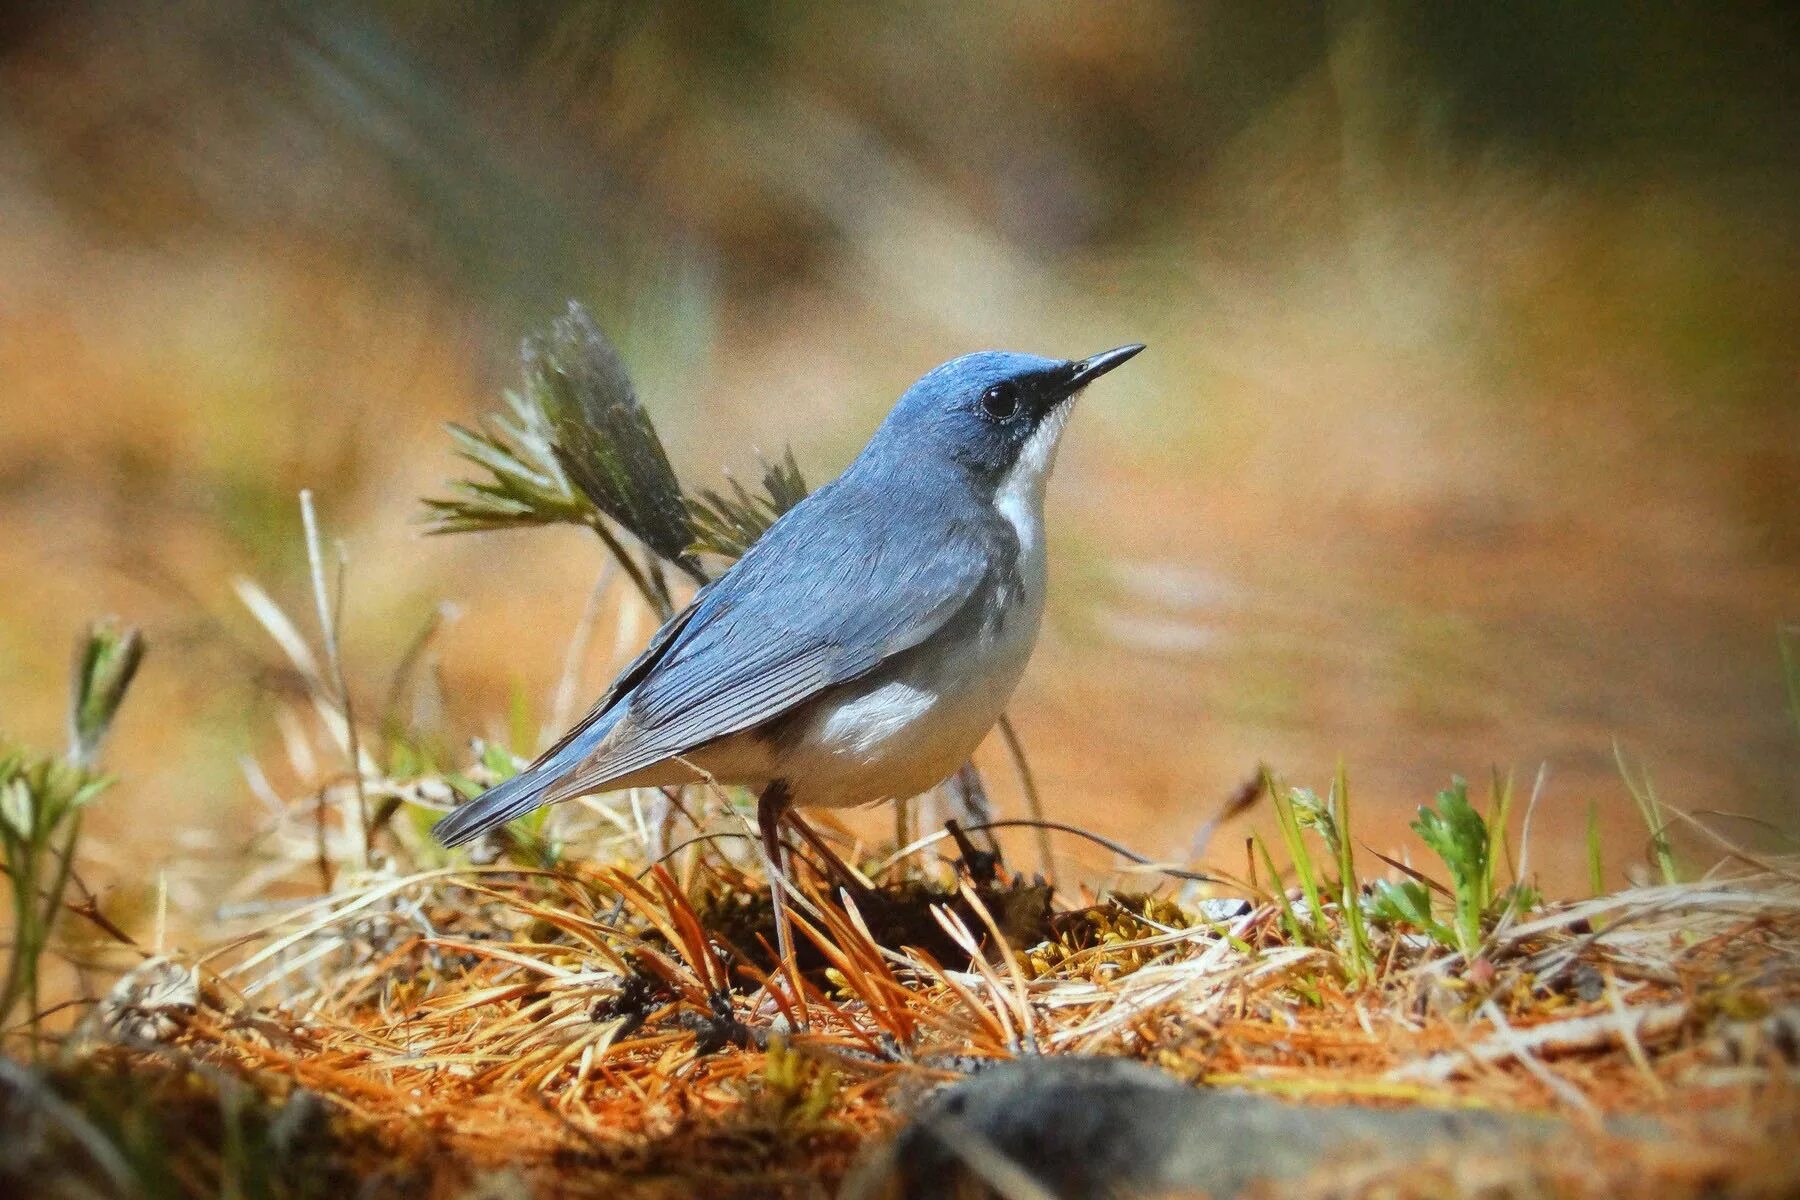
<point x="1094" y="1127"/>
<point x="1222" y="908"/>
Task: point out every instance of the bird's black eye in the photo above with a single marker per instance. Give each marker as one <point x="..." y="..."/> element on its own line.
<point x="1001" y="402"/>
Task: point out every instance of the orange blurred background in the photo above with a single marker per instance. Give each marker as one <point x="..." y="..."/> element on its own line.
<point x="1468" y="436"/>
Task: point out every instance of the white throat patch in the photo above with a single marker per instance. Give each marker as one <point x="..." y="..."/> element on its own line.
<point x="1020" y="496"/>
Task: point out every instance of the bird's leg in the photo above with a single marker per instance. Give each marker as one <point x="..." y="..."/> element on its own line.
<point x="969" y="796"/>
<point x="771" y="807"/>
<point x="903" y="824"/>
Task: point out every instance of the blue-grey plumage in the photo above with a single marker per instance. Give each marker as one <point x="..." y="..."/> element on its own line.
<point x="870" y="639"/>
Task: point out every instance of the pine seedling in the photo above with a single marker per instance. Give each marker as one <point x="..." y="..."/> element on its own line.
<point x="576" y="447"/>
<point x="524" y="484"/>
<point x="728" y="523"/>
<point x="602" y="437"/>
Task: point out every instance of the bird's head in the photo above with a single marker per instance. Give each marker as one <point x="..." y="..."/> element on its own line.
<point x="996" y="414"/>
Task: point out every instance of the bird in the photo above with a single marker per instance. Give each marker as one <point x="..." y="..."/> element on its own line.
<point x="863" y="647"/>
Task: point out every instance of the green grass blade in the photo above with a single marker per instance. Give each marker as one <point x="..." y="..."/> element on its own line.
<point x="1297" y="850"/>
<point x="1595" y="864"/>
<point x="1643" y="794"/>
<point x="1499" y="848"/>
<point x="1289" y="918"/>
<point x="1357" y="953"/>
<point x="1787" y="638"/>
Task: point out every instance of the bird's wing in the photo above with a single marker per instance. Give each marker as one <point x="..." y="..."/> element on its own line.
<point x="817" y="602"/>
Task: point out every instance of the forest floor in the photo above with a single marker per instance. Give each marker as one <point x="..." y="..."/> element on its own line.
<point x="572" y="1030"/>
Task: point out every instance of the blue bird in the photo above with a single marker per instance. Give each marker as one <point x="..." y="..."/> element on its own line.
<point x="868" y="641"/>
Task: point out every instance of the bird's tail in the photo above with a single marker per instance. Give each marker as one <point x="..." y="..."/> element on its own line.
<point x="531" y="788"/>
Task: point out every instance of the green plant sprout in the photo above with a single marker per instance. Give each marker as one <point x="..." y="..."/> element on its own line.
<point x="42" y="798"/>
<point x="106" y="661"/>
<point x="1301" y="808"/>
<point x="1471" y="848"/>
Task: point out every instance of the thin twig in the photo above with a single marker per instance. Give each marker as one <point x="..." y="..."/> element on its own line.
<point x="1628" y="1035"/>
<point x="328" y="630"/>
<point x="1034" y="803"/>
<point x="659" y="603"/>
<point x="931" y="839"/>
<point x="409" y="662"/>
<point x="562" y="706"/>
<point x="1732" y="848"/>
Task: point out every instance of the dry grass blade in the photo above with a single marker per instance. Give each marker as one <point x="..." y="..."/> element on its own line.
<point x="1575" y="1034"/>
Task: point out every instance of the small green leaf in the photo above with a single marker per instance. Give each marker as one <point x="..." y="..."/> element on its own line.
<point x="17" y="812"/>
<point x="1460" y="837"/>
<point x="1408" y="901"/>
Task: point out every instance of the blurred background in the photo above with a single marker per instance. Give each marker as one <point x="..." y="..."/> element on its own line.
<point x="1469" y="436"/>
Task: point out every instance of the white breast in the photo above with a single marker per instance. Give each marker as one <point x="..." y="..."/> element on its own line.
<point x="900" y="731"/>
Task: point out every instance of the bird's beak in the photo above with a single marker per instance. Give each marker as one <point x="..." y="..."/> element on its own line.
<point x="1096" y="365"/>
